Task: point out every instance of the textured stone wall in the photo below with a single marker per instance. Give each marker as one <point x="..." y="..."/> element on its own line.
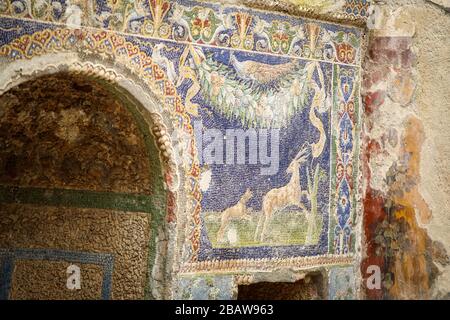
<point x="76" y="188"/>
<point x="64" y="131"/>
<point x="125" y="235"/>
<point x="34" y="280"/>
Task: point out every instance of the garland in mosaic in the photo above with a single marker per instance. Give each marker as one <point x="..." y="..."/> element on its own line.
<point x="194" y="82"/>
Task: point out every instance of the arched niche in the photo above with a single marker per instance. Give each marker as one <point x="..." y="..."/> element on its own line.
<point x="83" y="175"/>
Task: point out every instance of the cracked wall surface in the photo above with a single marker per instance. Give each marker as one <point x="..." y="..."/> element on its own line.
<point x="406" y="73"/>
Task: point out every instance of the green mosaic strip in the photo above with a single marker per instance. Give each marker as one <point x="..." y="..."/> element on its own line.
<point x="333" y="151"/>
<point x="77" y="198"/>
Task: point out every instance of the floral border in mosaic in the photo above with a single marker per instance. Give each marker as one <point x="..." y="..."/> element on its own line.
<point x="208" y="24"/>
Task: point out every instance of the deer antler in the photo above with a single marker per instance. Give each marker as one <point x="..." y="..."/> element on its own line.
<point x="303" y="154"/>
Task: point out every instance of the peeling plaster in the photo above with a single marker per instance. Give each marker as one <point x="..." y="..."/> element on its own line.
<point x="407" y="152"/>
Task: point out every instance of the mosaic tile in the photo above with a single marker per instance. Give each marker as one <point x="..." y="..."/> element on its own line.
<point x="342" y="283"/>
<point x="214" y="287"/>
<point x="357" y="7"/>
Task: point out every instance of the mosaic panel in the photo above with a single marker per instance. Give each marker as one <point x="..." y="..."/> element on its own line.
<point x="243" y="70"/>
<point x="286" y="213"/>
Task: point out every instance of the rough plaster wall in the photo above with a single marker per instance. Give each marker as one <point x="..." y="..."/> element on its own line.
<point x="433" y="107"/>
<point x="407" y="103"/>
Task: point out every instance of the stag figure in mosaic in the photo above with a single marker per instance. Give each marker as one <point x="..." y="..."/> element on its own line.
<point x="283" y="197"/>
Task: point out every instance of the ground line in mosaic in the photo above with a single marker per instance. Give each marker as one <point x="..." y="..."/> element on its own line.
<point x="208" y="266"/>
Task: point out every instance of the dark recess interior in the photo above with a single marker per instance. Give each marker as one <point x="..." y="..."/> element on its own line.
<point x="310" y="288"/>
